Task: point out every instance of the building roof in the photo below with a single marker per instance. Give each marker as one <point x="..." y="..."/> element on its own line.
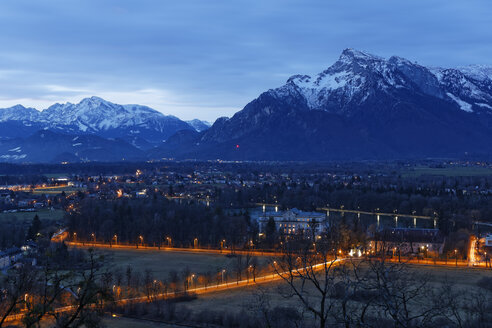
<point x="292" y="214"/>
<point x="417" y="235"/>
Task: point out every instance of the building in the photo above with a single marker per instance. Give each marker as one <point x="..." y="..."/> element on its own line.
<point x="294" y="222"/>
<point x="9" y="257"/>
<point x="488" y="240"/>
<point x="408" y="241"/>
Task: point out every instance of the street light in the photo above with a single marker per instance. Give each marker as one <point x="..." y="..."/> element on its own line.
<point x="192" y="278"/>
<point x="93" y="237"/>
<point x="115" y="239"/>
<point x="223" y="273"/>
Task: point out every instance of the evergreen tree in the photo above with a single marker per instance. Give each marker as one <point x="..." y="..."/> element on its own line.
<point x="270" y="231"/>
<point x="34" y="228"/>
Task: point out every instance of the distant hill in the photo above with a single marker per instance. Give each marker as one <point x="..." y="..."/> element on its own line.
<point x="50" y="147"/>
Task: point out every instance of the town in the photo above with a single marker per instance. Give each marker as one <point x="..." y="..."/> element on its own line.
<point x="251" y="214"/>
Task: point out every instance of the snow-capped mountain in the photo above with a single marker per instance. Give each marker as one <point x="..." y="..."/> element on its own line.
<point x="100" y="115"/>
<point x="363" y="106"/>
<point x="19" y="113"/>
<point x="357" y="76"/>
<point x="139" y="125"/>
<point x="199" y="125"/>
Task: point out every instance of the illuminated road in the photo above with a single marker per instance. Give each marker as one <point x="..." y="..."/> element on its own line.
<point x="472" y="262"/>
<point x="171" y="249"/>
<point x="448" y="263"/>
<point x="269" y="278"/>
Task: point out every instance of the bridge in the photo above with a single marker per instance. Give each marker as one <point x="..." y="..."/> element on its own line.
<point x="377" y="214"/>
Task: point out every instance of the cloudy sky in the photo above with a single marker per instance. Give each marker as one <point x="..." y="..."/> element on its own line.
<point x="208" y="58"/>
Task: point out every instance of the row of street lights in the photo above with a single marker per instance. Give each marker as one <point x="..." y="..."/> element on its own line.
<point x="140" y="238"/>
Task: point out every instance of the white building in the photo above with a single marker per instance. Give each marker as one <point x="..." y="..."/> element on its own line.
<point x="294" y="222"/>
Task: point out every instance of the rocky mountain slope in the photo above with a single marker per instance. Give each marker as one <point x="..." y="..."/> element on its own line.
<point x="361" y="107"/>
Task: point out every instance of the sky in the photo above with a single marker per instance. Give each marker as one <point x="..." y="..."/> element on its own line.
<point x="208" y="58"/>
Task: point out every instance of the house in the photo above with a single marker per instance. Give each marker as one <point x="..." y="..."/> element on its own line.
<point x="5" y="196"/>
<point x="9" y="257"/>
<point x="294" y="221"/>
<point x="488" y="240"/>
<point x="408" y="241"/>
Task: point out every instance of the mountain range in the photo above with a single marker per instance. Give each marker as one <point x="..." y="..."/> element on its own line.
<point x="361" y="107"/>
<point x="94" y="125"/>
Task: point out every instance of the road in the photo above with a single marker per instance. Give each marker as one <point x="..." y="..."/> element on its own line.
<point x="472" y="262"/>
<point x="269" y="278"/>
<point x="224" y="251"/>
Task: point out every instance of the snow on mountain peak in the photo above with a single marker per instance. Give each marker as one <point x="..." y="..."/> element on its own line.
<point x="95" y="115"/>
<point x="477" y="72"/>
<point x="199" y="125"/>
<point x="358" y="75"/>
<point x="350" y="55"/>
<point x="18" y="113"/>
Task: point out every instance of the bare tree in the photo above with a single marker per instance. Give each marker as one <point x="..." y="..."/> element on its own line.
<point x="45" y="293"/>
<point x="404" y="296"/>
<point x="306" y="273"/>
<point x="14" y="290"/>
<point x="88" y="295"/>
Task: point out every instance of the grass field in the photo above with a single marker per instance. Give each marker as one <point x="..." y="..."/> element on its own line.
<point x="161" y="263"/>
<point x="448" y="171"/>
<point x="44" y="215"/>
<point x="133" y="323"/>
<point x="119" y="322"/>
<point x="245" y="298"/>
